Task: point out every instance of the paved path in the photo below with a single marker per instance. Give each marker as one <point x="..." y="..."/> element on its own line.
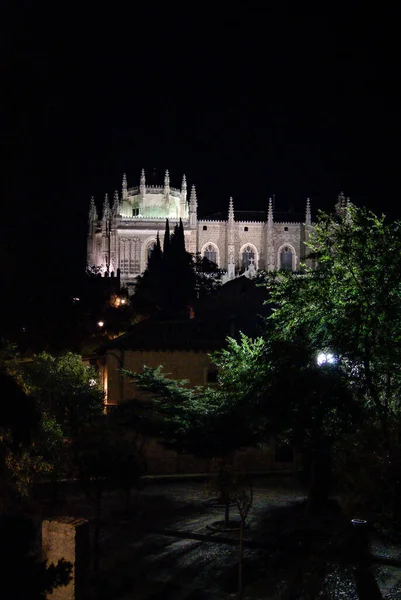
<point x="167" y="551"/>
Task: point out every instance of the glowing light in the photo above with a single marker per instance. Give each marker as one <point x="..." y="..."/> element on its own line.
<point x="75" y="299"/>
<point x="324" y="358"/>
<point x="92" y="382"/>
<point x="123" y="301"/>
<point x="100" y="323"/>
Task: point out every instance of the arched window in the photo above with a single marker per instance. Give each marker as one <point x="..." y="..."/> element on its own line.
<point x="150" y="249"/>
<point x="286" y="258"/>
<point x="210" y="252"/>
<point x="248" y="257"/>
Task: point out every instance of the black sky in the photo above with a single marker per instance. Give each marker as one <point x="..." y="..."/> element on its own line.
<point x="249" y="102"/>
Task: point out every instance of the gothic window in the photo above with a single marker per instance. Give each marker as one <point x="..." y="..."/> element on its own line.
<point x="285" y="228"/>
<point x="210" y="253"/>
<point x="245" y="228"/>
<point x="205" y="228"/>
<point x="150" y="249"/>
<point x="135" y="258"/>
<point x="248" y="257"/>
<point x="135" y="211"/>
<point x="286" y="258"/>
<point x="130" y="256"/>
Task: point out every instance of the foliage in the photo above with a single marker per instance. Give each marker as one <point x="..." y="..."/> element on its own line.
<point x="66" y="388"/>
<point x="202" y="421"/>
<point x="367" y="470"/>
<point x="351" y="304"/>
<point x="19" y="422"/>
<point x="208" y="276"/>
<point x="105" y="456"/>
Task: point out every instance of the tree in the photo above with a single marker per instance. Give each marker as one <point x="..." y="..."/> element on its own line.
<point x="66" y="389"/>
<point x="104" y="457"/>
<point x="350" y="305"/>
<point x="202" y="421"/>
<point x="173" y="279"/>
<point x="289" y="397"/>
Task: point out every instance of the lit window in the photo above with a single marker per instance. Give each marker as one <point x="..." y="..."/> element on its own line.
<point x="210" y="253"/>
<point x="248" y="257"/>
<point x="286" y="258"/>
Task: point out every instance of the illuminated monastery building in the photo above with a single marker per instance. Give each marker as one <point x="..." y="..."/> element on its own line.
<point x="239" y="242"/>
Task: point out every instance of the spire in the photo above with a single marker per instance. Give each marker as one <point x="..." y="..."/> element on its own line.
<point x="193" y="202"/>
<point x="106" y="208"/>
<point x="308" y="218"/>
<point x="92" y="210"/>
<point x="116" y="205"/>
<point x="231" y="211"/>
<point x="125" y="187"/>
<point x="184" y="184"/>
<point x="193" y="207"/>
<point x="270" y="213"/>
<point x="142" y="186"/>
<point x="167" y="183"/>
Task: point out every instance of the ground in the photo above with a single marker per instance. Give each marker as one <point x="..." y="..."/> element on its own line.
<point x="165" y="549"/>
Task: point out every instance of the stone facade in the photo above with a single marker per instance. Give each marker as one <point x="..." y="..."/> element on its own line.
<point x="242" y="242"/>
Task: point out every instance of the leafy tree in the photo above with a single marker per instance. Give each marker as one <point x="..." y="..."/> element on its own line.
<point x="289" y="397"/>
<point x="350" y="305"/>
<point x="105" y="457"/>
<point x="66" y="388"/>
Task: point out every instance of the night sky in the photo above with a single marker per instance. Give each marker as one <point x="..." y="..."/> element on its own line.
<point x="246" y="103"/>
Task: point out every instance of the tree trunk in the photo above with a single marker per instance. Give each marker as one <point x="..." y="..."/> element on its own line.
<point x="227" y="511"/>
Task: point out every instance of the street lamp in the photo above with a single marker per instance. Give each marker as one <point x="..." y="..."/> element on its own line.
<point x="100" y="324"/>
<point x="325" y="358"/>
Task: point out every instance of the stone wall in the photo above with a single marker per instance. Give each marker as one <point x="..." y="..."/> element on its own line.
<point x="68" y="538"/>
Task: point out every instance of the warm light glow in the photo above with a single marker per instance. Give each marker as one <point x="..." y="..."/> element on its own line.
<point x="75" y="299"/>
<point x="123" y="301"/>
<point x="324" y="358"/>
<point x="100" y="323"/>
<point x="92" y="382"/>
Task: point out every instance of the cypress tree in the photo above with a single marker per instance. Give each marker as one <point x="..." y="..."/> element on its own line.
<point x="166" y="242"/>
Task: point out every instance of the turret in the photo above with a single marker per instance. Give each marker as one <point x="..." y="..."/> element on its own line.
<point x="231" y="241"/>
<point x="142" y="185"/>
<point x="167" y="184"/>
<point x="270" y="214"/>
<point x="183" y="199"/>
<point x="341" y="204"/>
<point x="116" y="205"/>
<point x="193" y="208"/>
<point x="106" y="209"/>
<point x="270" y="261"/>
<point x="231" y="211"/>
<point x="308" y="216"/>
<point x="125" y="187"/>
<point x="92" y="211"/>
